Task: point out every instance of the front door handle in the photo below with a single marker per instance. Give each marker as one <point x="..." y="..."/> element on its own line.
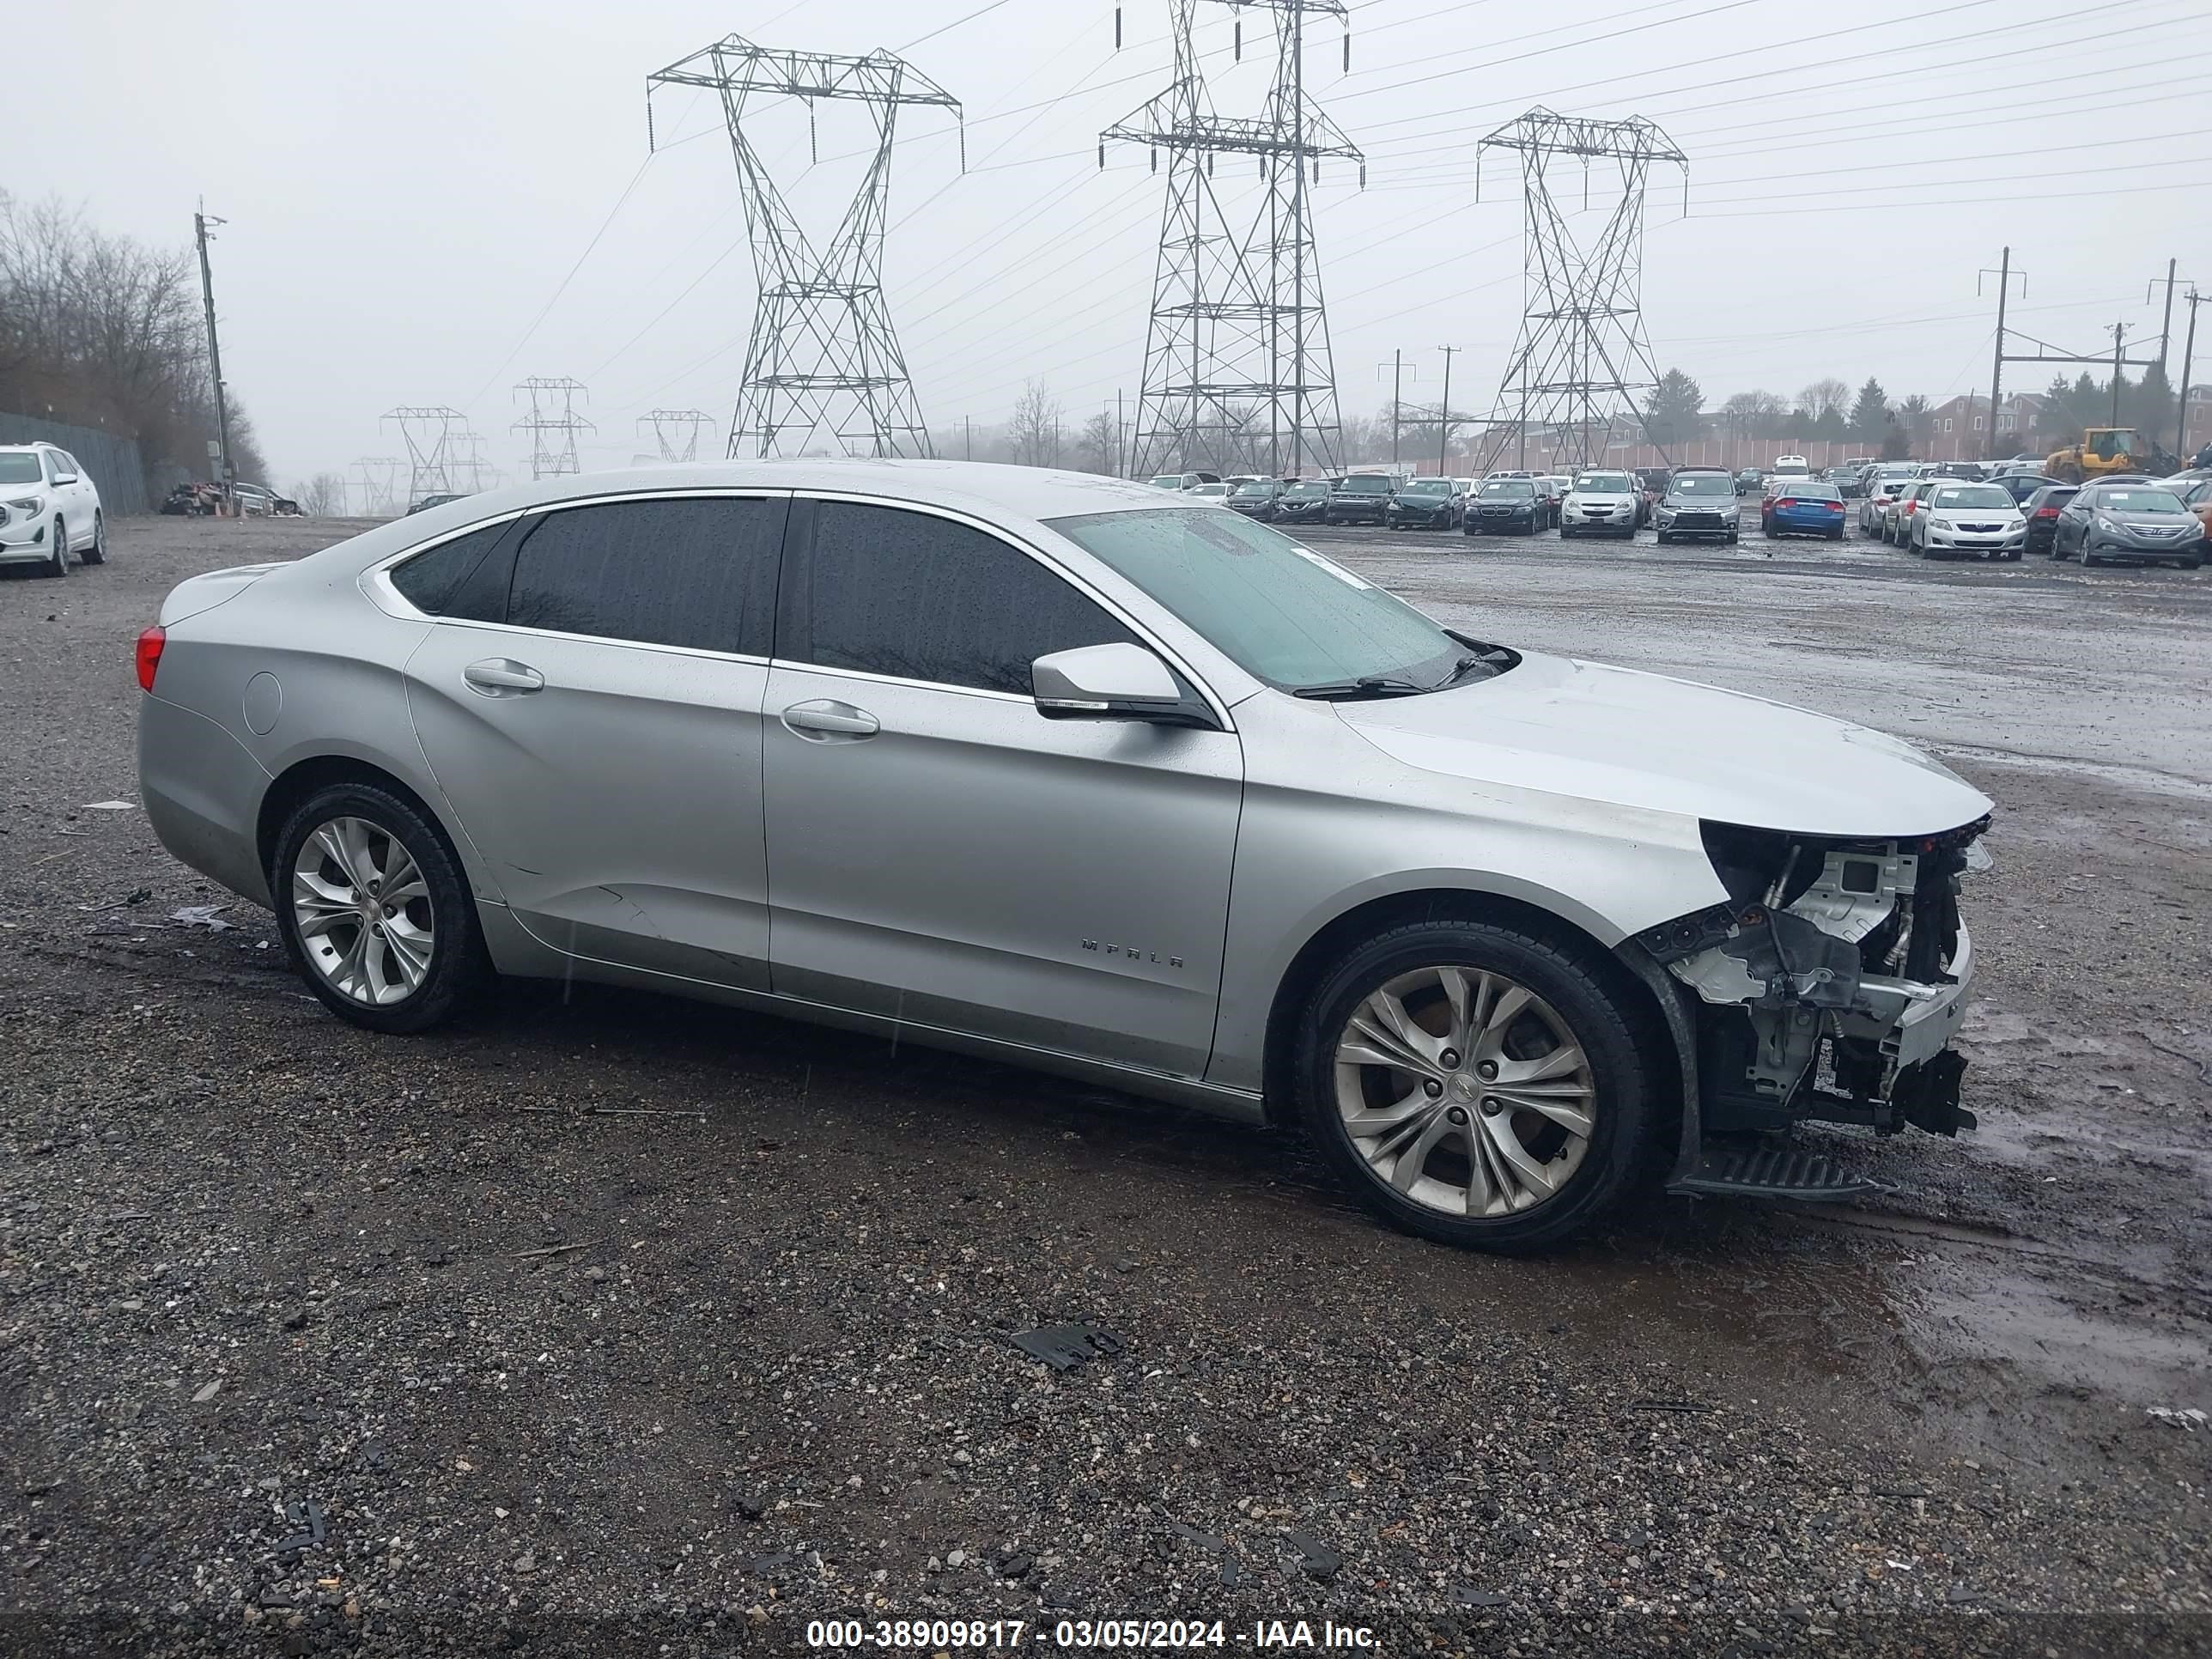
<point x="502" y="677"/>
<point x="823" y="720"/>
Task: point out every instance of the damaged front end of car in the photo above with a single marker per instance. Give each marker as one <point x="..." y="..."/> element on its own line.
<point x="1827" y="988"/>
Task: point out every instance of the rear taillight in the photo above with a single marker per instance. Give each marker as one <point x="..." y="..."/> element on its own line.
<point x="1787" y="500"/>
<point x="2046" y="512"/>
<point x="149" y="656"/>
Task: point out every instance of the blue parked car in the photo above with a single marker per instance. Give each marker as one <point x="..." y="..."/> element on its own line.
<point x="1804" y="507"/>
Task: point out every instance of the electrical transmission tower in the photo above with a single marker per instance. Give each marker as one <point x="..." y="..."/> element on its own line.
<point x="552" y="423"/>
<point x="377" y="478"/>
<point x="430" y="431"/>
<point x="822" y="357"/>
<point x="1239" y="338"/>
<point x="1582" y="355"/>
<point x="676" y="431"/>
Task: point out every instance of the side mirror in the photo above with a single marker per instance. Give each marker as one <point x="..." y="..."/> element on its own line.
<point x="64" y="477"/>
<point x="1121" y="682"/>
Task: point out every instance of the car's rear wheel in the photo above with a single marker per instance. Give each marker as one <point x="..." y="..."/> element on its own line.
<point x="375" y="911"/>
<point x="1475" y="1085"/>
<point x="97" y="553"/>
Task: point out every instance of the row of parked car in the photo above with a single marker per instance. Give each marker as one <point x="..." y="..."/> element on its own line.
<point x="1599" y="503"/>
<point x="2017" y="510"/>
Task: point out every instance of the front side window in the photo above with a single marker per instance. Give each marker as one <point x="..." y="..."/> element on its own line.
<point x="698" y="572"/>
<point x="1284" y="614"/>
<point x="883" y="590"/>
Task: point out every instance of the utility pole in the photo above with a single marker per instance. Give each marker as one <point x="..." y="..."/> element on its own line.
<point x="967" y="426"/>
<point x="1443" y="416"/>
<point x="2188" y="355"/>
<point x="1121" y="451"/>
<point x="2119" y="332"/>
<point x="2004" y="275"/>
<point x="1397" y="368"/>
<point x="2166" y="328"/>
<point x="201" y="221"/>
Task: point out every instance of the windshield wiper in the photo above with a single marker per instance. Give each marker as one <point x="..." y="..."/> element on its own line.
<point x="1371" y="686"/>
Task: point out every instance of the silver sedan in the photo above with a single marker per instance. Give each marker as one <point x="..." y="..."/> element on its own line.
<point x="1046" y="766"/>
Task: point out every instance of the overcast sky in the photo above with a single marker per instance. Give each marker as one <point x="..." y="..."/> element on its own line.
<point x="409" y="185"/>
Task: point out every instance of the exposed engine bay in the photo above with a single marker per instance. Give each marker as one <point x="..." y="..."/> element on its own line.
<point x="1831" y="983"/>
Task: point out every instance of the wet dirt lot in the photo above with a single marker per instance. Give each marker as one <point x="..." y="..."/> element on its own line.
<point x="610" y="1322"/>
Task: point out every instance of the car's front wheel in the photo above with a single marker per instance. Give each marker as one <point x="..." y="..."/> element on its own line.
<point x="375" y="910"/>
<point x="57" y="554"/>
<point x="1475" y="1085"/>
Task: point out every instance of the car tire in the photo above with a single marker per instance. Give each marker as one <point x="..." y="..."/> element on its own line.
<point x="57" y="562"/>
<point x="97" y="553"/>
<point x="2197" y="563"/>
<point x="1732" y="538"/>
<point x="2088" y="553"/>
<point x="1564" y="1005"/>
<point x="1664" y="540"/>
<point x="1837" y="534"/>
<point x="332" y="855"/>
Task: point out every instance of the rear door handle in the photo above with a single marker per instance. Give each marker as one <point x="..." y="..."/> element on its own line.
<point x="822" y="720"/>
<point x="502" y="677"/>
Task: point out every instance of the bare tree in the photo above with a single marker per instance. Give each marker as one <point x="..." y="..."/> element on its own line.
<point x="1825" y="396"/>
<point x="1755" y="415"/>
<point x="1033" y="430"/>
<point x="323" y="496"/>
<point x="101" y="330"/>
<point x="1098" y="450"/>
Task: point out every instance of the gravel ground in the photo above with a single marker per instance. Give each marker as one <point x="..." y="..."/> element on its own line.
<point x="608" y="1323"/>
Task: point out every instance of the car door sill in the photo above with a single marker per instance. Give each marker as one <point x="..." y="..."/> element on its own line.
<point x="1216" y="1100"/>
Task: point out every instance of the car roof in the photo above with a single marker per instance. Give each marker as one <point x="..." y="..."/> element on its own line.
<point x="987" y="488"/>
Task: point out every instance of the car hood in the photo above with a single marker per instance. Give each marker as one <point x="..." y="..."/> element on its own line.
<point x="2137" y="520"/>
<point x="1602" y="497"/>
<point x="1643" y="740"/>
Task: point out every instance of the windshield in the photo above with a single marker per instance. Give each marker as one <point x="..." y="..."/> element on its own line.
<point x="1258" y="487"/>
<point x="1175" y="482"/>
<point x="1427" y="487"/>
<point x="1974" y="495"/>
<point x="1308" y="490"/>
<point x="1703" y="485"/>
<point x="1209" y="490"/>
<point x="1513" y="489"/>
<point x="1364" y="483"/>
<point x="1282" y="613"/>
<point x="2142" y="500"/>
<point x="19" y="469"/>
<point x="1604" y="484"/>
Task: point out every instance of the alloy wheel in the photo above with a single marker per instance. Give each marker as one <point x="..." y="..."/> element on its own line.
<point x="362" y="909"/>
<point x="1465" y="1091"/>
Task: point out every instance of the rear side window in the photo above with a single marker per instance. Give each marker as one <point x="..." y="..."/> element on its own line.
<point x="886" y="591"/>
<point x="433" y="582"/>
<point x="699" y="573"/>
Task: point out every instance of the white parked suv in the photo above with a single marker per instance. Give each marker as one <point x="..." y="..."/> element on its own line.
<point x="1601" y="503"/>
<point x="49" y="509"/>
